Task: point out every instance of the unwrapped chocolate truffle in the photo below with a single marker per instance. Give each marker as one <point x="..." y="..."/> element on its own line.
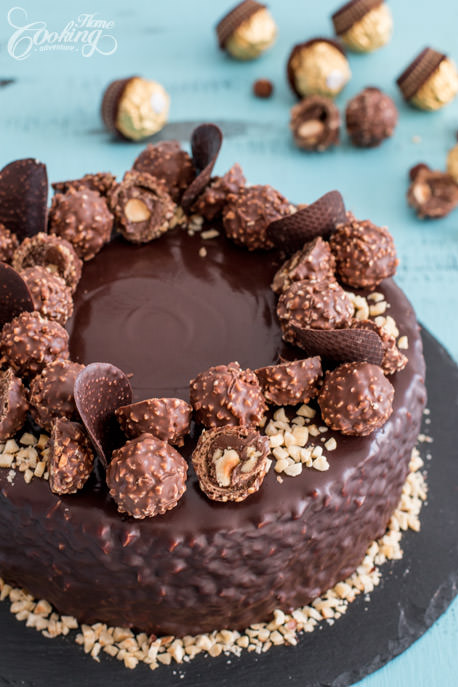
<point x="227" y="395"/>
<point x="315" y="123"/>
<point x="365" y="253"/>
<point x="430" y="81"/>
<point x="52" y="252"/>
<point x="314" y="262"/>
<point x="51" y="392"/>
<point x="71" y="457"/>
<point x="231" y="462"/>
<point x="318" y="66"/>
<point x="8" y="244"/>
<point x="170" y="164"/>
<point x="168" y="419"/>
<point x="83" y="218"/>
<point x="371" y="117"/>
<point x="432" y="194"/>
<point x="146" y="477"/>
<point x="291" y="382"/>
<point x="143" y="209"/>
<point x="13" y="404"/>
<point x="356" y="398"/>
<point x="249" y="212"/>
<point x="363" y="25"/>
<point x="51" y="295"/>
<point x="247" y="31"/>
<point x="393" y="360"/>
<point x="101" y="182"/>
<point x="135" y="108"/>
<point x="211" y="202"/>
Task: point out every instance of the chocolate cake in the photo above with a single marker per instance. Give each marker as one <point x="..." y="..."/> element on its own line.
<point x="176" y="309"/>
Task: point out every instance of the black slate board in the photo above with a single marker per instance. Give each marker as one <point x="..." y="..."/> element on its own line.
<point x="413" y="593"/>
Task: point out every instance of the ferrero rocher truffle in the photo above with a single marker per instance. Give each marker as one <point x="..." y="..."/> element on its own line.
<point x="393" y="360"/>
<point x="170" y="164"/>
<point x="247" y="31"/>
<point x="8" y="244"/>
<point x="356" y="398"/>
<point x="249" y="212"/>
<point x="313" y="305"/>
<point x="50" y="294"/>
<point x="315" y="123"/>
<point x="101" y="182"/>
<point x="71" y="457"/>
<point x="318" y="66"/>
<point x="168" y="419"/>
<point x="13" y="404"/>
<point x="135" y="108"/>
<point x="142" y="207"/>
<point x="146" y="477"/>
<point x="29" y="342"/>
<point x="227" y="395"/>
<point x="314" y="262"/>
<point x="432" y="194"/>
<point x="452" y="165"/>
<point x="51" y="392"/>
<point x="291" y="382"/>
<point x="430" y="81"/>
<point x="211" y="202"/>
<point x="52" y="252"/>
<point x="83" y="218"/>
<point x="363" y="25"/>
<point x="231" y="462"/>
<point x="365" y="254"/>
<point x="371" y="117"/>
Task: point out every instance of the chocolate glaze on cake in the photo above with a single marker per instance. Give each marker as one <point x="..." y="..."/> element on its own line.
<point x="164" y="313"/>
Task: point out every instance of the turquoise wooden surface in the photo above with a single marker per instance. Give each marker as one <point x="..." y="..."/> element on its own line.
<point x="51" y="111"/>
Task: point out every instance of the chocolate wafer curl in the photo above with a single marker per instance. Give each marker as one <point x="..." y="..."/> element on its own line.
<point x="340" y="345"/>
<point x="206" y="141"/>
<point x="15" y="296"/>
<point x="318" y="219"/>
<point x="24" y="197"/>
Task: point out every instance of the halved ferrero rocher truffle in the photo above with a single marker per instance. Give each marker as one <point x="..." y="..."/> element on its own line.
<point x="168" y="419"/>
<point x="71" y="458"/>
<point x="432" y="194"/>
<point x="315" y="123"/>
<point x="318" y="66"/>
<point x="170" y="164"/>
<point x="50" y="294"/>
<point x="313" y="305"/>
<point x="363" y="25"/>
<point x="365" y="253"/>
<point x="135" y="108"/>
<point x="291" y="382"/>
<point x="393" y="360"/>
<point x="227" y="395"/>
<point x="371" y="117"/>
<point x="146" y="477"/>
<point x="430" y="81"/>
<point x="212" y="201"/>
<point x="13" y="404"/>
<point x="101" y="182"/>
<point x="356" y="398"/>
<point x="231" y="462"/>
<point x="452" y="167"/>
<point x="83" y="218"/>
<point x="314" y="262"/>
<point x="54" y="253"/>
<point x="249" y="212"/>
<point x="51" y="392"/>
<point x="142" y="207"/>
<point x="29" y="342"/>
<point x="8" y="244"/>
<point x="247" y="31"/>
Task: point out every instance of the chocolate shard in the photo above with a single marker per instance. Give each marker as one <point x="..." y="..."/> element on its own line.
<point x="24" y="197"/>
<point x="318" y="219"/>
<point x="206" y="141"/>
<point x="99" y="390"/>
<point x="15" y="296"/>
<point x="340" y="345"/>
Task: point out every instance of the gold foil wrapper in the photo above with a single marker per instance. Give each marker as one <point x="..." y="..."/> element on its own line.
<point x="253" y="36"/>
<point x="143" y="109"/>
<point x="321" y="69"/>
<point x="371" y="32"/>
<point x="439" y="89"/>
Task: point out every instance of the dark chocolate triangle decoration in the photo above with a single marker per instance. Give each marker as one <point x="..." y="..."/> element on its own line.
<point x="340" y="345"/>
<point x="206" y="141"/>
<point x="15" y="296"/>
<point x="24" y="197"/>
<point x="99" y="390"/>
<point x="318" y="219"/>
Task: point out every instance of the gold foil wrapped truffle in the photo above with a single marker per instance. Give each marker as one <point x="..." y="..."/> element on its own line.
<point x="363" y="25"/>
<point x="318" y="66"/>
<point x="135" y="108"/>
<point x="452" y="162"/>
<point x="247" y="31"/>
<point x="430" y="81"/>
